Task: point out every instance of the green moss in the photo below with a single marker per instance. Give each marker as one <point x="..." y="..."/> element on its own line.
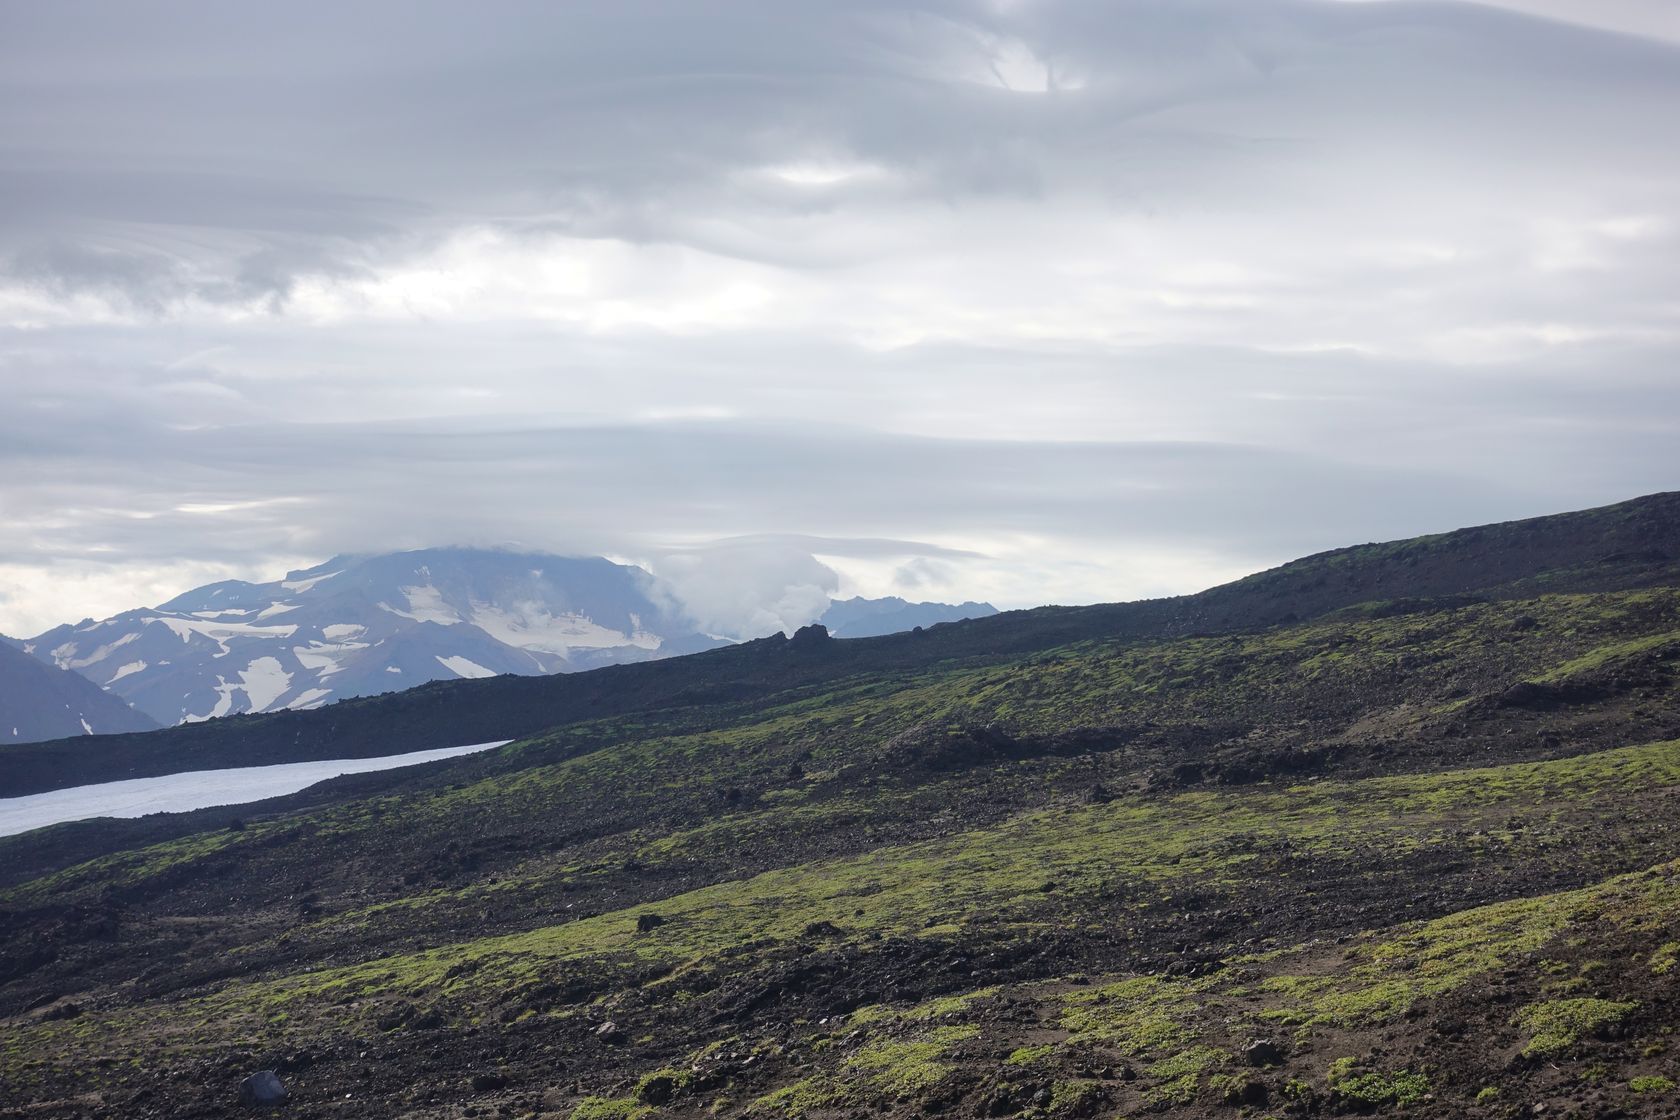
<point x="1074" y="1097"/>
<point x="1651" y="1084"/>
<point x="1665" y="958"/>
<point x="798" y="1099"/>
<point x="1556" y="1025"/>
<point x="1179" y="1076"/>
<point x="903" y="1067"/>
<point x="1027" y="1055"/>
<point x="947" y="1005"/>
<point x="1608" y="654"/>
<point x="1374" y="1089"/>
<point x="1138" y="1016"/>
<point x="610" y="1108"/>
<point x="1490" y="1093"/>
<point x="661" y="1085"/>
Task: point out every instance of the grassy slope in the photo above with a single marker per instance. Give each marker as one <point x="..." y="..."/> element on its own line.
<point x="1423" y="849"/>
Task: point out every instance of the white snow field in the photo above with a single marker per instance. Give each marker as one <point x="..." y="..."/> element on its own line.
<point x="198" y="789"/>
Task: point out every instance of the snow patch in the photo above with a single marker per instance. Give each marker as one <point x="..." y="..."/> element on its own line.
<point x="306" y="584"/>
<point x="530" y="626"/>
<point x="425" y="604"/>
<point x="126" y="671"/>
<point x="275" y="608"/>
<point x="200" y="789"/>
<point x="310" y="698"/>
<point x="87" y="728"/>
<point x="325" y="658"/>
<point x="263" y="682"/>
<point x="69" y="661"/>
<point x="342" y="631"/>
<point x="221" y="632"/>
<point x="461" y="667"/>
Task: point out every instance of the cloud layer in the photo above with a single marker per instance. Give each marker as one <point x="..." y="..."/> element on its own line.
<point x="1033" y="301"/>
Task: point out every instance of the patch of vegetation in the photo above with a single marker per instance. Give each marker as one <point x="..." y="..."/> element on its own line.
<point x="1075" y="1097"/>
<point x="802" y="1097"/>
<point x="1179" y="1076"/>
<point x="1374" y="1089"/>
<point x="1138" y="1016"/>
<point x="1027" y="1055"/>
<point x="899" y="1067"/>
<point x="1556" y="1025"/>
<point x="610" y="1108"/>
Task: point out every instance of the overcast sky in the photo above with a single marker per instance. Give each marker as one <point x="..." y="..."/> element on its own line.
<point x="1021" y="300"/>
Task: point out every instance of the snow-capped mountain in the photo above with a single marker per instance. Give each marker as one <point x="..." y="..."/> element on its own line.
<point x="361" y="625"/>
<point x="39" y="702"/>
<point x="356" y="626"/>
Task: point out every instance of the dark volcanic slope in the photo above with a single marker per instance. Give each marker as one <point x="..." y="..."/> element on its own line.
<point x="1409" y="851"/>
<point x="1632" y="544"/>
<point x="39" y="702"/>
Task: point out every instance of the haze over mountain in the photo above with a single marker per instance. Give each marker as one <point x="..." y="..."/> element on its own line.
<point x="358" y="626"/>
<point x="39" y="702"/>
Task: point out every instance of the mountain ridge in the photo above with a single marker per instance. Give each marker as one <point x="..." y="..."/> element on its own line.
<point x="40" y="702"/>
<point x="366" y="624"/>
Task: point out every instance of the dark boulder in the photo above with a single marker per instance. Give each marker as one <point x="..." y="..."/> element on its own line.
<point x="262" y="1090"/>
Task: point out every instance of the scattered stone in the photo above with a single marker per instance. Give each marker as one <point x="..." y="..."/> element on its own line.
<point x="647" y="922"/>
<point x="609" y="1032"/>
<point x="262" y="1090"/>
<point x="1262" y="1052"/>
<point x="488" y="1082"/>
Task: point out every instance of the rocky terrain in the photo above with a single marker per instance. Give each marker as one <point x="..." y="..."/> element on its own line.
<point x="1390" y="830"/>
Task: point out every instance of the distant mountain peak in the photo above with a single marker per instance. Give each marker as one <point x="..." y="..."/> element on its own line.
<point x="866" y="618"/>
<point x="358" y="625"/>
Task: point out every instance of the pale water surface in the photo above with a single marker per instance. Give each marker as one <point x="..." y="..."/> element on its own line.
<point x="198" y="789"/>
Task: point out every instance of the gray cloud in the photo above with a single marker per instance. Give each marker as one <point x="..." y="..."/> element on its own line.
<point x="1054" y="299"/>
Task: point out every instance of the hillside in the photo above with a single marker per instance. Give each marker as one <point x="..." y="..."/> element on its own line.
<point x="39" y="702"/>
<point x="1629" y="545"/>
<point x="1390" y="829"/>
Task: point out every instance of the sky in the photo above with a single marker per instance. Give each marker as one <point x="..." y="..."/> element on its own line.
<point x="1020" y="300"/>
